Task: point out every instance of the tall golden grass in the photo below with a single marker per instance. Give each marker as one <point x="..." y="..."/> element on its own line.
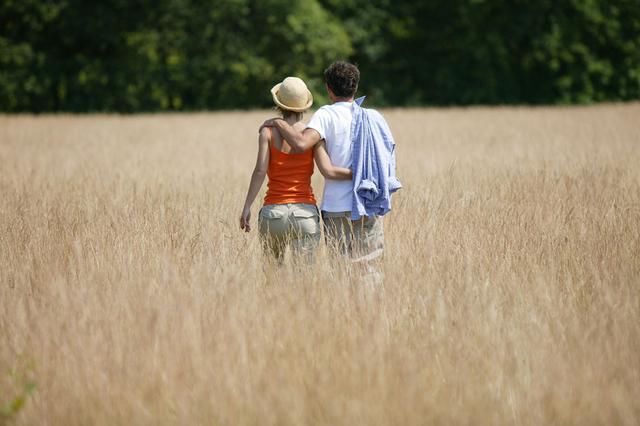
<point x="128" y="294"/>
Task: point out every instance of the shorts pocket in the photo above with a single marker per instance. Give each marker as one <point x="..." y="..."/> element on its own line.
<point x="303" y="214"/>
<point x="268" y="213"/>
<point x="272" y="220"/>
<point x="306" y="221"/>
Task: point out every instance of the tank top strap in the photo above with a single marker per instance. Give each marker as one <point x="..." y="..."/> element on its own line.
<point x="276" y="134"/>
<point x="270" y="137"/>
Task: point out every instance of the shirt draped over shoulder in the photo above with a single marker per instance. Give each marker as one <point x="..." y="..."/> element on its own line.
<point x="374" y="163"/>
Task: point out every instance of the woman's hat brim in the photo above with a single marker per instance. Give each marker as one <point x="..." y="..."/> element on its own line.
<point x="274" y="93"/>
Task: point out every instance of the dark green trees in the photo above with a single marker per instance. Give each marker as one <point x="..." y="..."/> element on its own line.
<point x="143" y="55"/>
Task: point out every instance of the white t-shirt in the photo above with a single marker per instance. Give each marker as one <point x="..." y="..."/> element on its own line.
<point x="333" y="123"/>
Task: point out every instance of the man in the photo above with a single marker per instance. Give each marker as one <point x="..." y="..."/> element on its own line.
<point x="360" y="238"/>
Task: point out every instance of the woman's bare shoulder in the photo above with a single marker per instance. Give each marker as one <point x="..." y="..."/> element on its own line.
<point x="265" y="132"/>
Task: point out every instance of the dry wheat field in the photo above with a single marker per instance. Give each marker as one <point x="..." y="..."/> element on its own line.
<point x="128" y="294"/>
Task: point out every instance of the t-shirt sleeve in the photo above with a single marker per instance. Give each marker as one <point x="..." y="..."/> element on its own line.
<point x="320" y="122"/>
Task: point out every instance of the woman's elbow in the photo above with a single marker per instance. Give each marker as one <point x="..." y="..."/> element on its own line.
<point x="329" y="174"/>
<point x="259" y="172"/>
<point x="337" y="175"/>
<point x="343" y="174"/>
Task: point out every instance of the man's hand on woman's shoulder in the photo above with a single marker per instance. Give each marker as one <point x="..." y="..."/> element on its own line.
<point x="270" y="123"/>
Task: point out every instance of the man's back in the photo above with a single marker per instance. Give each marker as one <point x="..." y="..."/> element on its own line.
<point x="333" y="123"/>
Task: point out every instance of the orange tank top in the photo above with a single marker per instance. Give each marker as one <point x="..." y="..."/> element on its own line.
<point x="289" y="177"/>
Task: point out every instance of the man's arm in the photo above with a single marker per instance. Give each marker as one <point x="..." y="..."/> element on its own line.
<point x="299" y="141"/>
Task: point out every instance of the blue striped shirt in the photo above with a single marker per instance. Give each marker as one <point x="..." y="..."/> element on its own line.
<point x="373" y="163"/>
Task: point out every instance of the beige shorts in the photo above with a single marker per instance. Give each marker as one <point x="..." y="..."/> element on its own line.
<point x="289" y="225"/>
<point x="362" y="240"/>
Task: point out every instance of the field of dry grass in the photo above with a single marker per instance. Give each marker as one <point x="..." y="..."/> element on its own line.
<point x="128" y="295"/>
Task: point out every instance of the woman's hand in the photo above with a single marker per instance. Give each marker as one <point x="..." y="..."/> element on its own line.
<point x="245" y="218"/>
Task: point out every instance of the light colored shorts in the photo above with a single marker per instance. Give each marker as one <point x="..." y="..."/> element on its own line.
<point x="362" y="240"/>
<point x="289" y="225"/>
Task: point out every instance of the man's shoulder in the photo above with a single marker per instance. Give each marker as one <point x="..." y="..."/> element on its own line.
<point x="328" y="108"/>
<point x="323" y="111"/>
<point x="374" y="113"/>
<point x="376" y="116"/>
<point x="378" y="120"/>
<point x="330" y="114"/>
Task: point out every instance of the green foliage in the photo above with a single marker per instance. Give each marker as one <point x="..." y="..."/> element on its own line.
<point x="10" y="410"/>
<point x="143" y="55"/>
<point x="497" y="51"/>
<point x="19" y="378"/>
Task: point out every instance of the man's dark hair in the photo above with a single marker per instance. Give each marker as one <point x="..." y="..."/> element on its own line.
<point x="342" y="78"/>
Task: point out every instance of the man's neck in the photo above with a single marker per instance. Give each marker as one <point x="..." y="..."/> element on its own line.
<point x="336" y="100"/>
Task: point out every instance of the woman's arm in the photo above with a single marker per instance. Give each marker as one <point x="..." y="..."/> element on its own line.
<point x="327" y="169"/>
<point x="257" y="177"/>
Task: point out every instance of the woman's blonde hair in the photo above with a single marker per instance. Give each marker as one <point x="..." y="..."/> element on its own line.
<point x="287" y="113"/>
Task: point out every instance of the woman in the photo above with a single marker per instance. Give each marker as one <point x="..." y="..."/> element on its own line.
<point x="289" y="216"/>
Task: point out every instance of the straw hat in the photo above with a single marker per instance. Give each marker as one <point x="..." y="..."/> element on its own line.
<point x="292" y="94"/>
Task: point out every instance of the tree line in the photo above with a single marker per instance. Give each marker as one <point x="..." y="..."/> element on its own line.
<point x="151" y="55"/>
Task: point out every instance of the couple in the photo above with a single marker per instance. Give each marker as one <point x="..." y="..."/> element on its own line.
<point x="352" y="147"/>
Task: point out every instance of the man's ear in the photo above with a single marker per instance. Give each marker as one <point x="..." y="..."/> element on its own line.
<point x="332" y="95"/>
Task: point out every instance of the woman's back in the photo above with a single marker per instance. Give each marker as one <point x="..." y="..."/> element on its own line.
<point x="289" y="173"/>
